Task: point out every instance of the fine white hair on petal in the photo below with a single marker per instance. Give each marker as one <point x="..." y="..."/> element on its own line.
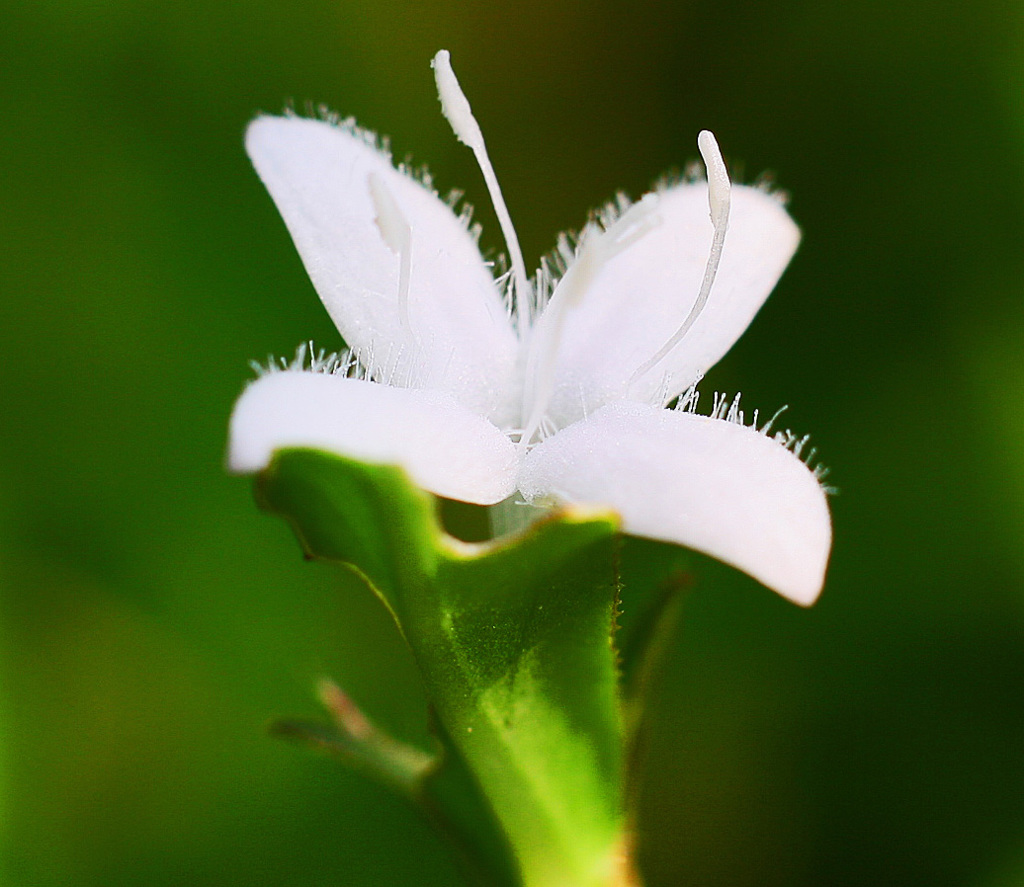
<point x="456" y="335"/>
<point x="638" y="299"/>
<point x="444" y="447"/>
<point x="716" y="486"/>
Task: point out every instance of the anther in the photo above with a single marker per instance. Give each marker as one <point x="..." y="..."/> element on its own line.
<point x="397" y="234"/>
<point x="719" y="185"/>
<point x="455" y="107"/>
<point x="719" y="193"/>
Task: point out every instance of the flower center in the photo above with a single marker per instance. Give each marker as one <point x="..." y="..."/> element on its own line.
<point x="596" y="249"/>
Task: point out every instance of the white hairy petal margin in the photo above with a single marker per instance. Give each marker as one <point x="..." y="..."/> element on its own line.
<point x="638" y="299"/>
<point x="444" y="447"/>
<point x="712" y="485"/>
<point x="454" y="333"/>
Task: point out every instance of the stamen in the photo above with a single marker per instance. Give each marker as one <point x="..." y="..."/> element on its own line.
<point x="397" y="234"/>
<point x="719" y="192"/>
<point x="455" y="107"/>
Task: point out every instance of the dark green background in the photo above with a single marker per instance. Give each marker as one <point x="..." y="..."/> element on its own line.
<point x="153" y="622"/>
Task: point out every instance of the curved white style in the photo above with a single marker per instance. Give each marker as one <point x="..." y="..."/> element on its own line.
<point x="557" y="387"/>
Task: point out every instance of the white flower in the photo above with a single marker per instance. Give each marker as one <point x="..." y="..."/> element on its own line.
<point x="555" y="387"/>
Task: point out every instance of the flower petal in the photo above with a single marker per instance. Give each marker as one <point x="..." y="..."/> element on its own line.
<point x="452" y="333"/>
<point x="443" y="446"/>
<point x="638" y="298"/>
<point x="709" y="484"/>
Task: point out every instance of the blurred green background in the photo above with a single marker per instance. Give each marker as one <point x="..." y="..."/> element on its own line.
<point x="153" y="621"/>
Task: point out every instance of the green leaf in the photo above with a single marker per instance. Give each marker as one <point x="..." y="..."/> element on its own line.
<point x="513" y="639"/>
<point x="440" y="785"/>
<point x="355" y="739"/>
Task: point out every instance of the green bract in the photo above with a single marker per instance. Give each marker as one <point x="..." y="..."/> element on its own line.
<point x="514" y="641"/>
